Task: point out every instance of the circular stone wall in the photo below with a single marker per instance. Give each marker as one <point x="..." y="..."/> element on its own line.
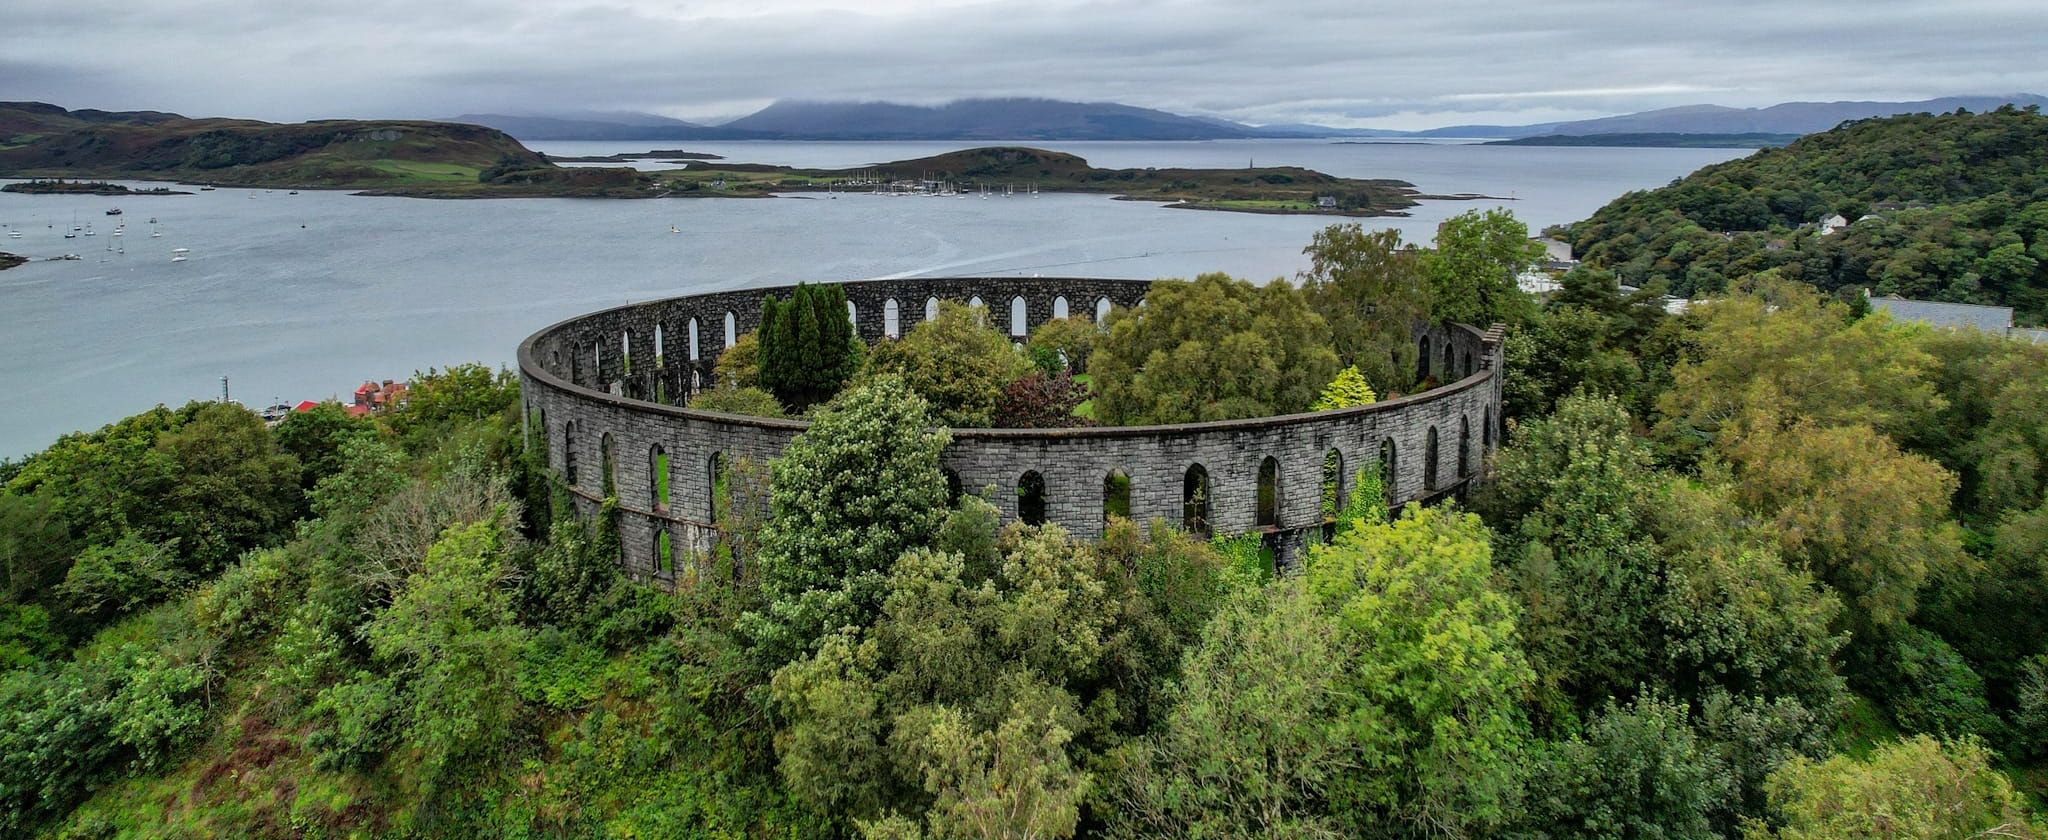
<point x="606" y="391"/>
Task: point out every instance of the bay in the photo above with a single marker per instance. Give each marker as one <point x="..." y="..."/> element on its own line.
<point x="304" y="296"/>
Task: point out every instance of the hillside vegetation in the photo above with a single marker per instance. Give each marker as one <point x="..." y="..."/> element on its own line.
<point x="1767" y="568"/>
<point x="391" y="156"/>
<point x="1956" y="207"/>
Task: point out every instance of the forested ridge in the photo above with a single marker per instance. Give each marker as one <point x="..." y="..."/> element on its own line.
<point x="1770" y="568"/>
<point x="1950" y="207"/>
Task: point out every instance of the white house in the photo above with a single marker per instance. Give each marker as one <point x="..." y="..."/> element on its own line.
<point x="1832" y="223"/>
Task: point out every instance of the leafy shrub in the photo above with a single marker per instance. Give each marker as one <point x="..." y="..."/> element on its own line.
<point x="736" y="399"/>
<point x="115" y="579"/>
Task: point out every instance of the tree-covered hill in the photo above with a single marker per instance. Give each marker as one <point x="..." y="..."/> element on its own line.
<point x="1948" y="207"/>
<point x="400" y="156"/>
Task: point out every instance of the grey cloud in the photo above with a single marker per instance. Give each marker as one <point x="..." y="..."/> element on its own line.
<point x="1339" y="61"/>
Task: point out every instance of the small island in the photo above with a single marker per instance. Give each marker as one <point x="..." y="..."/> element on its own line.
<point x="1011" y="170"/>
<point x="59" y="186"/>
<point x="8" y="260"/>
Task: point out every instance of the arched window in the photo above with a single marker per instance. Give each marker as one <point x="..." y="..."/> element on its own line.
<point x="1268" y="507"/>
<point x="696" y="347"/>
<point x="1466" y="368"/>
<point x="1020" y="316"/>
<point x="1102" y="307"/>
<point x="657" y="476"/>
<point x="597" y="362"/>
<point x="952" y="485"/>
<point x="1389" y="470"/>
<point x="1031" y="498"/>
<point x="569" y="452"/>
<point x="931" y="308"/>
<point x="732" y="329"/>
<point x="664" y="552"/>
<point x="1059" y="307"/>
<point x="853" y="315"/>
<point x="714" y="474"/>
<point x="1333" y="484"/>
<point x="1449" y="357"/>
<point x="1194" y="500"/>
<point x="1422" y="359"/>
<point x="1429" y="460"/>
<point x="626" y="350"/>
<point x="1116" y="495"/>
<point x="604" y="454"/>
<point x="657" y="345"/>
<point x="1464" y="446"/>
<point x="975" y="302"/>
<point x="892" y="319"/>
<point x="1486" y="431"/>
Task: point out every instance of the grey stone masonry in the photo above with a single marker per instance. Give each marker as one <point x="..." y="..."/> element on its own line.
<point x="603" y="393"/>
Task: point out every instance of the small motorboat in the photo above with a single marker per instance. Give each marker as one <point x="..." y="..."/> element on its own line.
<point x="179" y="258"/>
<point x="113" y="211"/>
<point x="181" y="250"/>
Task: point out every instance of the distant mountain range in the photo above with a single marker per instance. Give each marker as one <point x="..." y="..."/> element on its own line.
<point x="1048" y="119"/>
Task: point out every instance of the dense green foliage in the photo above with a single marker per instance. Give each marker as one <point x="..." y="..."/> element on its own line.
<point x="807" y="345"/>
<point x="1960" y="207"/>
<point x="1772" y="567"/>
<point x="956" y="362"/>
<point x="1215" y="348"/>
<point x="1371" y="292"/>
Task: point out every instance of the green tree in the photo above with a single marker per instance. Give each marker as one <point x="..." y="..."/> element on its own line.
<point x="961" y="701"/>
<point x="439" y="400"/>
<point x="1215" y="348"/>
<point x="808" y="349"/>
<point x="1639" y="771"/>
<point x="1472" y="272"/>
<point x="121" y="577"/>
<point x="35" y="546"/>
<point x="1372" y="293"/>
<point x="451" y="640"/>
<point x="1253" y="743"/>
<point x="1778" y="354"/>
<point x="1398" y="680"/>
<point x="848" y="496"/>
<point x="1848" y="506"/>
<point x="227" y="488"/>
<point x="740" y="364"/>
<point x="1347" y="390"/>
<point x="1917" y="788"/>
<point x="316" y="438"/>
<point x="955" y="362"/>
<point x="1571" y="493"/>
<point x="1072" y="338"/>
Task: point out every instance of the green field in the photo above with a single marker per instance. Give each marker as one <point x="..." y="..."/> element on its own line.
<point x="413" y="170"/>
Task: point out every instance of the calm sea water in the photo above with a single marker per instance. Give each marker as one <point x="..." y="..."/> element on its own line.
<point x="304" y="296"/>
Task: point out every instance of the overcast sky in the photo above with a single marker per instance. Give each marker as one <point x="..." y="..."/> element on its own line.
<point x="1337" y="62"/>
